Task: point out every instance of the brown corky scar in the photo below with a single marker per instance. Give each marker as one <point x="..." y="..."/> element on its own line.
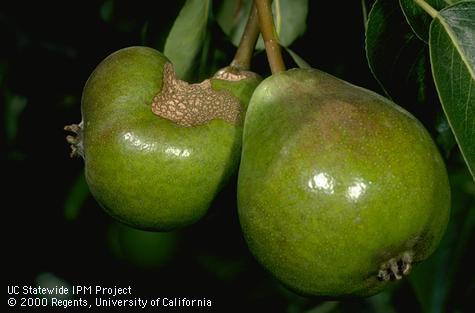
<point x="194" y="104"/>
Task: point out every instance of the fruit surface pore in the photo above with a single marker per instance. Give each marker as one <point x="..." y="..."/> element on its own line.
<point x="340" y="191"/>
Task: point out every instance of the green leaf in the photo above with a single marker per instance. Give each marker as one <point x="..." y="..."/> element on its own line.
<point x="398" y="59"/>
<point x="433" y="279"/>
<point x="106" y="10"/>
<point x="231" y="16"/>
<point x="75" y="198"/>
<point x="142" y="248"/>
<point x="298" y="59"/>
<point x="14" y="106"/>
<point x="381" y="302"/>
<point x="418" y="18"/>
<point x="364" y="13"/>
<point x="452" y="54"/>
<point x="204" y="60"/>
<point x="143" y="34"/>
<point x="325" y="307"/>
<point x="289" y="17"/>
<point x="183" y="44"/>
<point x="445" y="137"/>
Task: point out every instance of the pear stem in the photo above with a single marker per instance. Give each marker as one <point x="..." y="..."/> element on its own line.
<point x="245" y="50"/>
<point x="271" y="42"/>
<point x="427" y="7"/>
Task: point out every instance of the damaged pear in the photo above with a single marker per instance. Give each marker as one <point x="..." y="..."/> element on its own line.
<point x="157" y="150"/>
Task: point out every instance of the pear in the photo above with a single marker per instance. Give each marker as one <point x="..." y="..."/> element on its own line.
<point x="340" y="191"/>
<point x="157" y="150"/>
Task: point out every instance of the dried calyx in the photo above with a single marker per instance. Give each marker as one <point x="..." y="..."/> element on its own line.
<point x="197" y="104"/>
<point x="396" y="268"/>
<point x="77" y="148"/>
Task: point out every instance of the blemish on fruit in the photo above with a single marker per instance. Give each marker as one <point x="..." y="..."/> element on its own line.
<point x="194" y="104"/>
<point x="231" y="73"/>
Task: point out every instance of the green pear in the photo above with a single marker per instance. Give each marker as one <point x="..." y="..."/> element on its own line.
<point x="157" y="150"/>
<point x="340" y="191"/>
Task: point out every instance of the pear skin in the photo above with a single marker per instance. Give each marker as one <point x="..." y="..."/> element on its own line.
<point x="340" y="191"/>
<point x="157" y="150"/>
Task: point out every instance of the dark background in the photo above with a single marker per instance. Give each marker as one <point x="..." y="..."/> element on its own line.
<point x="57" y="234"/>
